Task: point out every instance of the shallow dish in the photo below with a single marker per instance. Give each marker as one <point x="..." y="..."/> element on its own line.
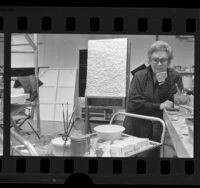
<point x="109" y="132"/>
<point x="190" y="124"/>
<point x="173" y="109"/>
<point x="189" y="120"/>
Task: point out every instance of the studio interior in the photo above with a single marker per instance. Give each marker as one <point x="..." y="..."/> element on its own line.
<point x="65" y="85"/>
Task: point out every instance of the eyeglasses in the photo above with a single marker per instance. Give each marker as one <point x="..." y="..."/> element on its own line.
<point x="161" y="60"/>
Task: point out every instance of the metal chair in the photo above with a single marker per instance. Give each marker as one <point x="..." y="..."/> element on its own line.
<point x="147" y="118"/>
<point x="26" y="144"/>
<point x="28" y="83"/>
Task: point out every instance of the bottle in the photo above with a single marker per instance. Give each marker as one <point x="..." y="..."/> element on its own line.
<point x="191" y="100"/>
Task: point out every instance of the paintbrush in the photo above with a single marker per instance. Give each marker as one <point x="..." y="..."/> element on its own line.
<point x="69" y="130"/>
<point x="64" y="118"/>
<point x="67" y="115"/>
<point x="177" y="88"/>
<point x="68" y="133"/>
<point x="71" y="122"/>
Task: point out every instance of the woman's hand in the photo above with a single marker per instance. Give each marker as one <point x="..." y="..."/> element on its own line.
<point x="161" y="77"/>
<point x="166" y="104"/>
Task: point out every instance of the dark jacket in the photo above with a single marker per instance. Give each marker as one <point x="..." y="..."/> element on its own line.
<point x="145" y="96"/>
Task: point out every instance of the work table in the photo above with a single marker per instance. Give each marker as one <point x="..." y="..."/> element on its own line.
<point x="179" y="133"/>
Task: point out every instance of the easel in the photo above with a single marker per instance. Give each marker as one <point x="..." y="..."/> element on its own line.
<point x="113" y="103"/>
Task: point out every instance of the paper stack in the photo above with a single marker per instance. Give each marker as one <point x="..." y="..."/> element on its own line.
<point x="128" y="146"/>
<point x="18" y="95"/>
<point x="19" y="98"/>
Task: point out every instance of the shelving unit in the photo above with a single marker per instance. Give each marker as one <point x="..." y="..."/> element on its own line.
<point x="96" y="114"/>
<point x="33" y="43"/>
<point x="184" y="73"/>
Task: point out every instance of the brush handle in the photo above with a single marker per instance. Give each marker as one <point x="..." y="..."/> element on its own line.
<point x="178" y="90"/>
<point x="64" y="119"/>
<point x="68" y="132"/>
<point x="64" y="122"/>
<point x="67" y="118"/>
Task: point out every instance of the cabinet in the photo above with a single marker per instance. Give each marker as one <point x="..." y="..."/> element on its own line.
<point x="96" y="114"/>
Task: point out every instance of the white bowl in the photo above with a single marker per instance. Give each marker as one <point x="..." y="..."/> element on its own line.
<point x="59" y="147"/>
<point x="109" y="132"/>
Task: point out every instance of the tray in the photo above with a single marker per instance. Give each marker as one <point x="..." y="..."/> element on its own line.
<point x="152" y="145"/>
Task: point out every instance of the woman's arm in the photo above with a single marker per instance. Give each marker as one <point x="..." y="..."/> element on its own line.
<point x="137" y="101"/>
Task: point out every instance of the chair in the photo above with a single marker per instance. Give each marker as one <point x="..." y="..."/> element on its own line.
<point x="162" y="124"/>
<point x="21" y="113"/>
<point x="26" y="148"/>
<point x="25" y="112"/>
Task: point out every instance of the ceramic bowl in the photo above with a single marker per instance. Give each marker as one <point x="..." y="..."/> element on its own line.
<point x="109" y="132"/>
<point x="58" y="147"/>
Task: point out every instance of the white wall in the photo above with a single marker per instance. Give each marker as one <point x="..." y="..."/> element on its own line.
<point x="27" y="59"/>
<point x="183" y="50"/>
<point x="62" y="50"/>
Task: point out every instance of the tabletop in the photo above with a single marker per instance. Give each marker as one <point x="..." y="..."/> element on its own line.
<point x="179" y="132"/>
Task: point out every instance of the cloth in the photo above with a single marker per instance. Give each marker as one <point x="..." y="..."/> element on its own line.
<point x="144" y="98"/>
<point x="29" y="85"/>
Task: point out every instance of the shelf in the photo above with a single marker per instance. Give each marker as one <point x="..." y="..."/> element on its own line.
<point x="97" y="114"/>
<point x="185" y="72"/>
<point x="98" y="119"/>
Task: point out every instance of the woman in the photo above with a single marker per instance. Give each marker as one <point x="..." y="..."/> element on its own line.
<point x="151" y="91"/>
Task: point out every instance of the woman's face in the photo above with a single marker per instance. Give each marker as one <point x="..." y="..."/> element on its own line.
<point x="159" y="61"/>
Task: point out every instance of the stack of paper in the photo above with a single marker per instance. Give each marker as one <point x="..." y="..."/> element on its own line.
<point x="128" y="146"/>
<point x="19" y="98"/>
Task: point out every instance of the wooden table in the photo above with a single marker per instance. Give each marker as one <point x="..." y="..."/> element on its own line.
<point x="178" y="130"/>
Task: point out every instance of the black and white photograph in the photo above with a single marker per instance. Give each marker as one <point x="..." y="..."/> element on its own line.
<point x="1" y="90"/>
<point x="95" y="95"/>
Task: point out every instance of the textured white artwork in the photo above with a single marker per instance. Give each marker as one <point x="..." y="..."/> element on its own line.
<point x="106" y="69"/>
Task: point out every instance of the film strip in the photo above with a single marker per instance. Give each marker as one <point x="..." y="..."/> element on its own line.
<point x="98" y="21"/>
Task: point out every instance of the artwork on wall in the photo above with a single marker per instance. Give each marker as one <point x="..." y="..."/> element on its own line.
<point x="107" y="68"/>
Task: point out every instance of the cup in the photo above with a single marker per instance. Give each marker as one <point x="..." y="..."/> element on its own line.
<point x="181" y="99"/>
<point x="161" y="76"/>
<point x="80" y="144"/>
